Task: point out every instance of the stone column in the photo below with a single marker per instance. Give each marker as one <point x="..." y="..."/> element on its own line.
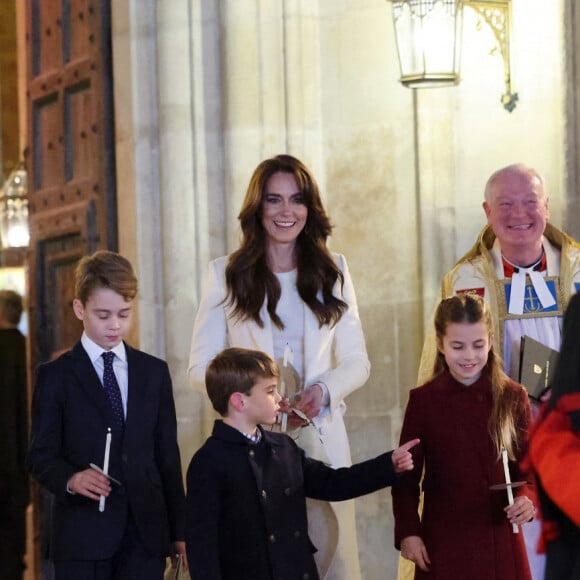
<point x="271" y="90"/>
<point x="191" y="190"/>
<point x="572" y="114"/>
<point x="170" y="194"/>
<point x="137" y="161"/>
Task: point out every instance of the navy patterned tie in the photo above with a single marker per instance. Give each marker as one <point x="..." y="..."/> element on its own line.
<point x="112" y="389"/>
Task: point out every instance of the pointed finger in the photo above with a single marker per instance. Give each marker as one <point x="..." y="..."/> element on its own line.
<point x="409" y="444"/>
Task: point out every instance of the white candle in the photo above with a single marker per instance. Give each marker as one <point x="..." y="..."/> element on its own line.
<point x="287" y="359"/>
<point x="105" y="465"/>
<point x="283" y="417"/>
<point x="287" y="355"/>
<point x="508" y="481"/>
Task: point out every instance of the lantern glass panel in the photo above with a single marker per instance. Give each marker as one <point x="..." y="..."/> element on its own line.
<point x="14" y="230"/>
<point x="428" y="34"/>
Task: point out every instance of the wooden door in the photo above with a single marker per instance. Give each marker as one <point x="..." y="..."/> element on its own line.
<point x="70" y="162"/>
<point x="69" y="157"/>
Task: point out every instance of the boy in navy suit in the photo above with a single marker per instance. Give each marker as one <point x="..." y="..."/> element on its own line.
<point x="104" y="440"/>
<point x="246" y="487"/>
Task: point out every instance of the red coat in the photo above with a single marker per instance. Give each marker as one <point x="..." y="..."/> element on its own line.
<point x="464" y="528"/>
<point x="555" y="458"/>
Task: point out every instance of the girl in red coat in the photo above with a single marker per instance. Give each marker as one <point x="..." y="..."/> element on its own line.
<point x="464" y="416"/>
<point x="555" y="457"/>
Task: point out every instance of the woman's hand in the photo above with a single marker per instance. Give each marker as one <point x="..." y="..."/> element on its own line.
<point x="522" y="511"/>
<point x="413" y="548"/>
<point x="309" y="401"/>
<point x="293" y="420"/>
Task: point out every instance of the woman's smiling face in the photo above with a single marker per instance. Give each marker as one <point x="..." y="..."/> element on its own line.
<point x="284" y="211"/>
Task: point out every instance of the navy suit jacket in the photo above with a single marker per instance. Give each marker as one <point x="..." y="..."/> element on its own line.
<point x="70" y="417"/>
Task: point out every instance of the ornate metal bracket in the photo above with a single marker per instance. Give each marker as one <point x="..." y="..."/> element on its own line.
<point x="497" y="14"/>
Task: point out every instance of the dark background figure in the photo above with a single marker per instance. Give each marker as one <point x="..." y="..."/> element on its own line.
<point x="555" y="457"/>
<point x="14" y="490"/>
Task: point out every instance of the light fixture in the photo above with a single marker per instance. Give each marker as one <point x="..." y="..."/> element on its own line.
<point x="14" y="228"/>
<point x="429" y="36"/>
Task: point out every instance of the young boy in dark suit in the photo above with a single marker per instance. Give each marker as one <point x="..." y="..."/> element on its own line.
<point x="104" y="407"/>
<point x="246" y="487"/>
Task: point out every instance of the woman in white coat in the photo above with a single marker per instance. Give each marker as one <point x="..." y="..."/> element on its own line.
<point x="284" y="293"/>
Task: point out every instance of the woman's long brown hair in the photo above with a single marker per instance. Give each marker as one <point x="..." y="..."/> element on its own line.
<point x="250" y="281"/>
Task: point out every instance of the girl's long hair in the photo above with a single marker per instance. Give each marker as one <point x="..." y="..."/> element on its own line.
<point x="471" y="309"/>
<point x="250" y="281"/>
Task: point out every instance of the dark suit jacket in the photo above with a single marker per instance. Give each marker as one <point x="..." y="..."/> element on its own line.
<point x="246" y="508"/>
<point x="70" y="417"/>
<point x="14" y="492"/>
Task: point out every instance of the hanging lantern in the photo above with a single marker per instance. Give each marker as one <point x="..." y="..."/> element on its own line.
<point x="14" y="229"/>
<point x="428" y="34"/>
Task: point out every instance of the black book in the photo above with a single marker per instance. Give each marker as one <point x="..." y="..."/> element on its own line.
<point x="537" y="366"/>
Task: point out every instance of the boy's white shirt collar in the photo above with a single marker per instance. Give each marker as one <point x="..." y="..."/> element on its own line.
<point x="243" y="429"/>
<point x="95" y="351"/>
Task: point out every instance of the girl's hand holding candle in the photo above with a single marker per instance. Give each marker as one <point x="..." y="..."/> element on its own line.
<point x="508" y="482"/>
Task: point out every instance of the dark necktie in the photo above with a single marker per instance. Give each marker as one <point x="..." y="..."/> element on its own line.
<point x="112" y="389"/>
